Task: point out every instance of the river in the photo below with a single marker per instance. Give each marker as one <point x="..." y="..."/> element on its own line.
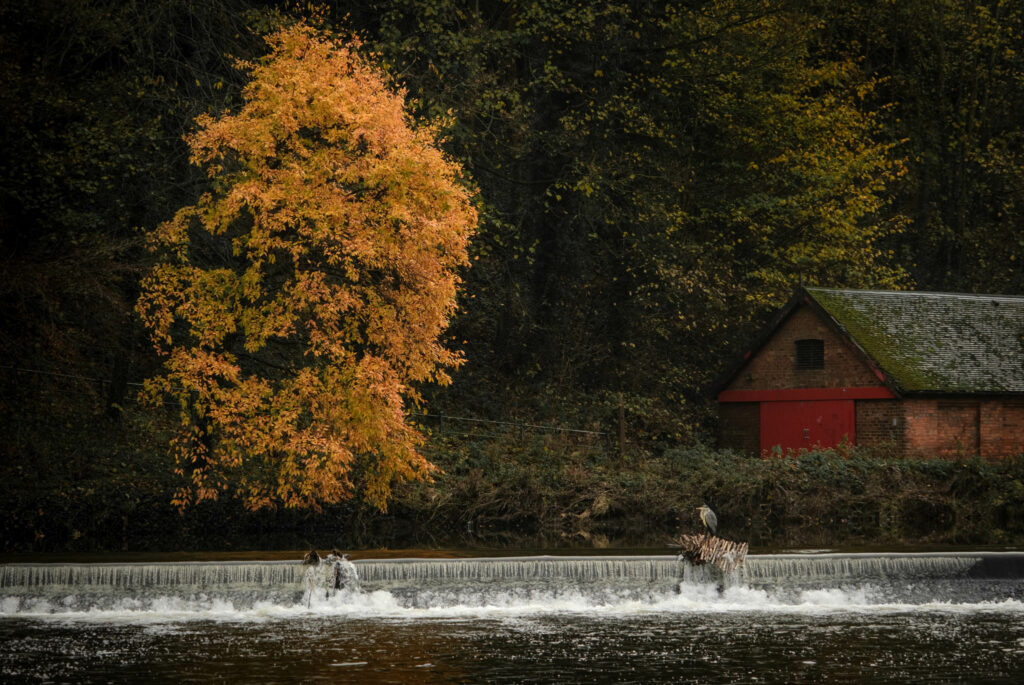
<point x="808" y="618"/>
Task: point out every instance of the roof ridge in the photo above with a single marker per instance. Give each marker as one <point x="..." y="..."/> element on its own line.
<point x="970" y="296"/>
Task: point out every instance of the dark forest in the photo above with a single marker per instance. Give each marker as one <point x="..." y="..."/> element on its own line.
<point x="652" y="181"/>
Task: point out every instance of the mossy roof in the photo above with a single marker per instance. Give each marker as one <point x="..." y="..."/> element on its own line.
<point x="935" y="342"/>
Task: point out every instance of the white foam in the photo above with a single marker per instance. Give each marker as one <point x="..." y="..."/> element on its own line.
<point x="514" y="588"/>
<point x="692" y="598"/>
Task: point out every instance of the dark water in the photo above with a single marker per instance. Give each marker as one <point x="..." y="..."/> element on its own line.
<point x="843" y="647"/>
<point x="807" y="619"/>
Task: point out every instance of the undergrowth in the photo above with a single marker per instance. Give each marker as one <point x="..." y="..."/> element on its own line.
<point x="539" y="491"/>
<point x="556" y="494"/>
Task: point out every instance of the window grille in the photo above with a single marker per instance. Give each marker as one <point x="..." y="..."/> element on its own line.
<point x="810" y="354"/>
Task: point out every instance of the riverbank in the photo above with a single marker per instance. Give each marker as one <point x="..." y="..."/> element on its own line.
<point x="548" y="494"/>
<point x="824" y="498"/>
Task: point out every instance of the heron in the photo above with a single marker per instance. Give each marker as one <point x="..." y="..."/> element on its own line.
<point x="708" y="518"/>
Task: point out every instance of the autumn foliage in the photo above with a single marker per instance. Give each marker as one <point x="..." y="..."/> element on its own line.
<point x="300" y="301"/>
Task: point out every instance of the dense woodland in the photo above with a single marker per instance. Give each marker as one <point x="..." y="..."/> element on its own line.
<point x="651" y="179"/>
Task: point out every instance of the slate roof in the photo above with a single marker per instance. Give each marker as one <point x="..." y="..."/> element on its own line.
<point x="934" y="342"/>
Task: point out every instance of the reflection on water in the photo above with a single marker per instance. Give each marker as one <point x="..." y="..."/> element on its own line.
<point x="586" y="647"/>
<point x="819" y="618"/>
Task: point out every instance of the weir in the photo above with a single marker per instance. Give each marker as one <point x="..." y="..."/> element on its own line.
<point x="615" y="615"/>
<point x="839" y="567"/>
<point x="192" y="590"/>
<point x="625" y="570"/>
<point x="520" y="569"/>
<point x="157" y="574"/>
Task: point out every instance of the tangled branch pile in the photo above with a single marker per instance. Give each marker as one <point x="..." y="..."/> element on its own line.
<point x="708" y="549"/>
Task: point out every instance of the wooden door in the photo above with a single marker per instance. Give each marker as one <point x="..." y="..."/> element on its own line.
<point x="806" y="424"/>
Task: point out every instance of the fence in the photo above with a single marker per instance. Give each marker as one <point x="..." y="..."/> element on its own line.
<point x="442" y="424"/>
<point x="436" y="423"/>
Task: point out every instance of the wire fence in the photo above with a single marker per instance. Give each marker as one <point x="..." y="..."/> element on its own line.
<point x="72" y="376"/>
<point x="79" y="389"/>
<point x="436" y="423"/>
<point x="466" y="426"/>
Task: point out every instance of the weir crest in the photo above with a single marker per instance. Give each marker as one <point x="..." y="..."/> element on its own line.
<point x="372" y="573"/>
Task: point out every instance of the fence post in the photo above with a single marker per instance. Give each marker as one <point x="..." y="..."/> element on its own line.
<point x="622" y="427"/>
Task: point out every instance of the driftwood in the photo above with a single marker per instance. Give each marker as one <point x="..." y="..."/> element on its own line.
<point x="726" y="555"/>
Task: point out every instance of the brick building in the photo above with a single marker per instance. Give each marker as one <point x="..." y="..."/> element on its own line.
<point x="924" y="374"/>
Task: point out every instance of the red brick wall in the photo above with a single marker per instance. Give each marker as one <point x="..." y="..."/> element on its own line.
<point x="941" y="428"/>
<point x="739" y="426"/>
<point x="991" y="427"/>
<point x="774" y="366"/>
<point x="1002" y="428"/>
<point x="879" y="424"/>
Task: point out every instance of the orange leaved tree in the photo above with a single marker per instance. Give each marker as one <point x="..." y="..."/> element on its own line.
<point x="300" y="301"/>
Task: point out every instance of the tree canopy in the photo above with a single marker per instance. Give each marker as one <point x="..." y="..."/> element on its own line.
<point x="302" y="298"/>
<point x="655" y="179"/>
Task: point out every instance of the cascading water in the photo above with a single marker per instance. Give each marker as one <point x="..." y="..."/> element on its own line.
<point x="775" y="582"/>
<point x="780" y="618"/>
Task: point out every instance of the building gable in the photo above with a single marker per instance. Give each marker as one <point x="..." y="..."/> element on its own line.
<point x="776" y="365"/>
<point x="798" y="387"/>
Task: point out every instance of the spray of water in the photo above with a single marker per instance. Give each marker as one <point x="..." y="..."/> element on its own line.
<point x="508" y="587"/>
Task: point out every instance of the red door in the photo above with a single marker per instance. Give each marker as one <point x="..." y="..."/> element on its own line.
<point x="805" y="424"/>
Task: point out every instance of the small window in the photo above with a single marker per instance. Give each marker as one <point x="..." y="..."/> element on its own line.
<point x="810" y="354"/>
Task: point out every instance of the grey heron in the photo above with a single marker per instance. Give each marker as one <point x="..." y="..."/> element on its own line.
<point x="708" y="518"/>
